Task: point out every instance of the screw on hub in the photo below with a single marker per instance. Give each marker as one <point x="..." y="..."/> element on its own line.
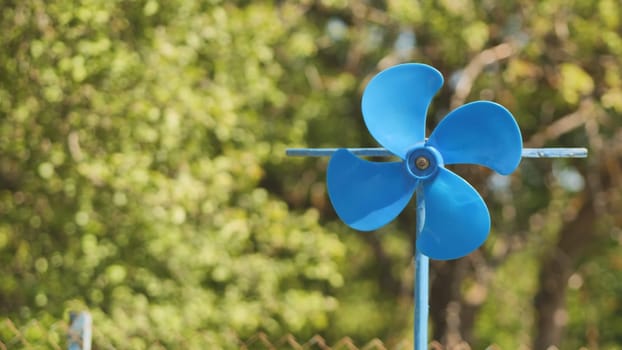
<point x="422" y="163"/>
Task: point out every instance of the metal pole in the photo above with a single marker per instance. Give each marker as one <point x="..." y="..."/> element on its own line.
<point x="382" y="152"/>
<point x="421" y="283"/>
<point x="80" y="331"/>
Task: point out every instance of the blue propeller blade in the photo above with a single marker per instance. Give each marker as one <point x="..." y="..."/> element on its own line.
<point x="481" y="132"/>
<point x="395" y="103"/>
<point x="367" y="195"/>
<point x="456" y="219"/>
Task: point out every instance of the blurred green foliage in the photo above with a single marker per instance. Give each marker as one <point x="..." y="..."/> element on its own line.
<point x="143" y="174"/>
<point x="133" y="141"/>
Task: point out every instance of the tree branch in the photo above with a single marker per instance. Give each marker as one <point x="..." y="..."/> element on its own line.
<point x="586" y="111"/>
<point x="475" y="67"/>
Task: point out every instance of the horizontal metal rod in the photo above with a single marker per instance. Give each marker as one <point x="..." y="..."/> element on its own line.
<point x="382" y="152"/>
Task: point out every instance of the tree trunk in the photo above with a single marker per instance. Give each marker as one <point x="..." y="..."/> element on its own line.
<point x="555" y="269"/>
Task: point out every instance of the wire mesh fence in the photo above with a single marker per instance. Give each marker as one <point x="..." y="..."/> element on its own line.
<point x="262" y="341"/>
<point x="62" y="335"/>
<point x="33" y="335"/>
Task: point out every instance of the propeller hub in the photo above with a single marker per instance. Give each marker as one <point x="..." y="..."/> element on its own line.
<point x="422" y="161"/>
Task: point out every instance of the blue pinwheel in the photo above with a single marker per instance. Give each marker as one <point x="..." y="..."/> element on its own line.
<point x="367" y="195"/>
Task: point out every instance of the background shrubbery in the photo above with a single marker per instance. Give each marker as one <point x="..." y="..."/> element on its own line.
<point x="143" y="175"/>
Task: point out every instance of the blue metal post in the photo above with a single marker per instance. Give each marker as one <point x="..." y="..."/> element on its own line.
<point x="422" y="281"/>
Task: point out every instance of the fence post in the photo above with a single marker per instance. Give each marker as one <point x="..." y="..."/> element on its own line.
<point x="80" y="332"/>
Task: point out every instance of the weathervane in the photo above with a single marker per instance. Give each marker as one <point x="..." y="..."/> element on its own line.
<point x="452" y="218"/>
